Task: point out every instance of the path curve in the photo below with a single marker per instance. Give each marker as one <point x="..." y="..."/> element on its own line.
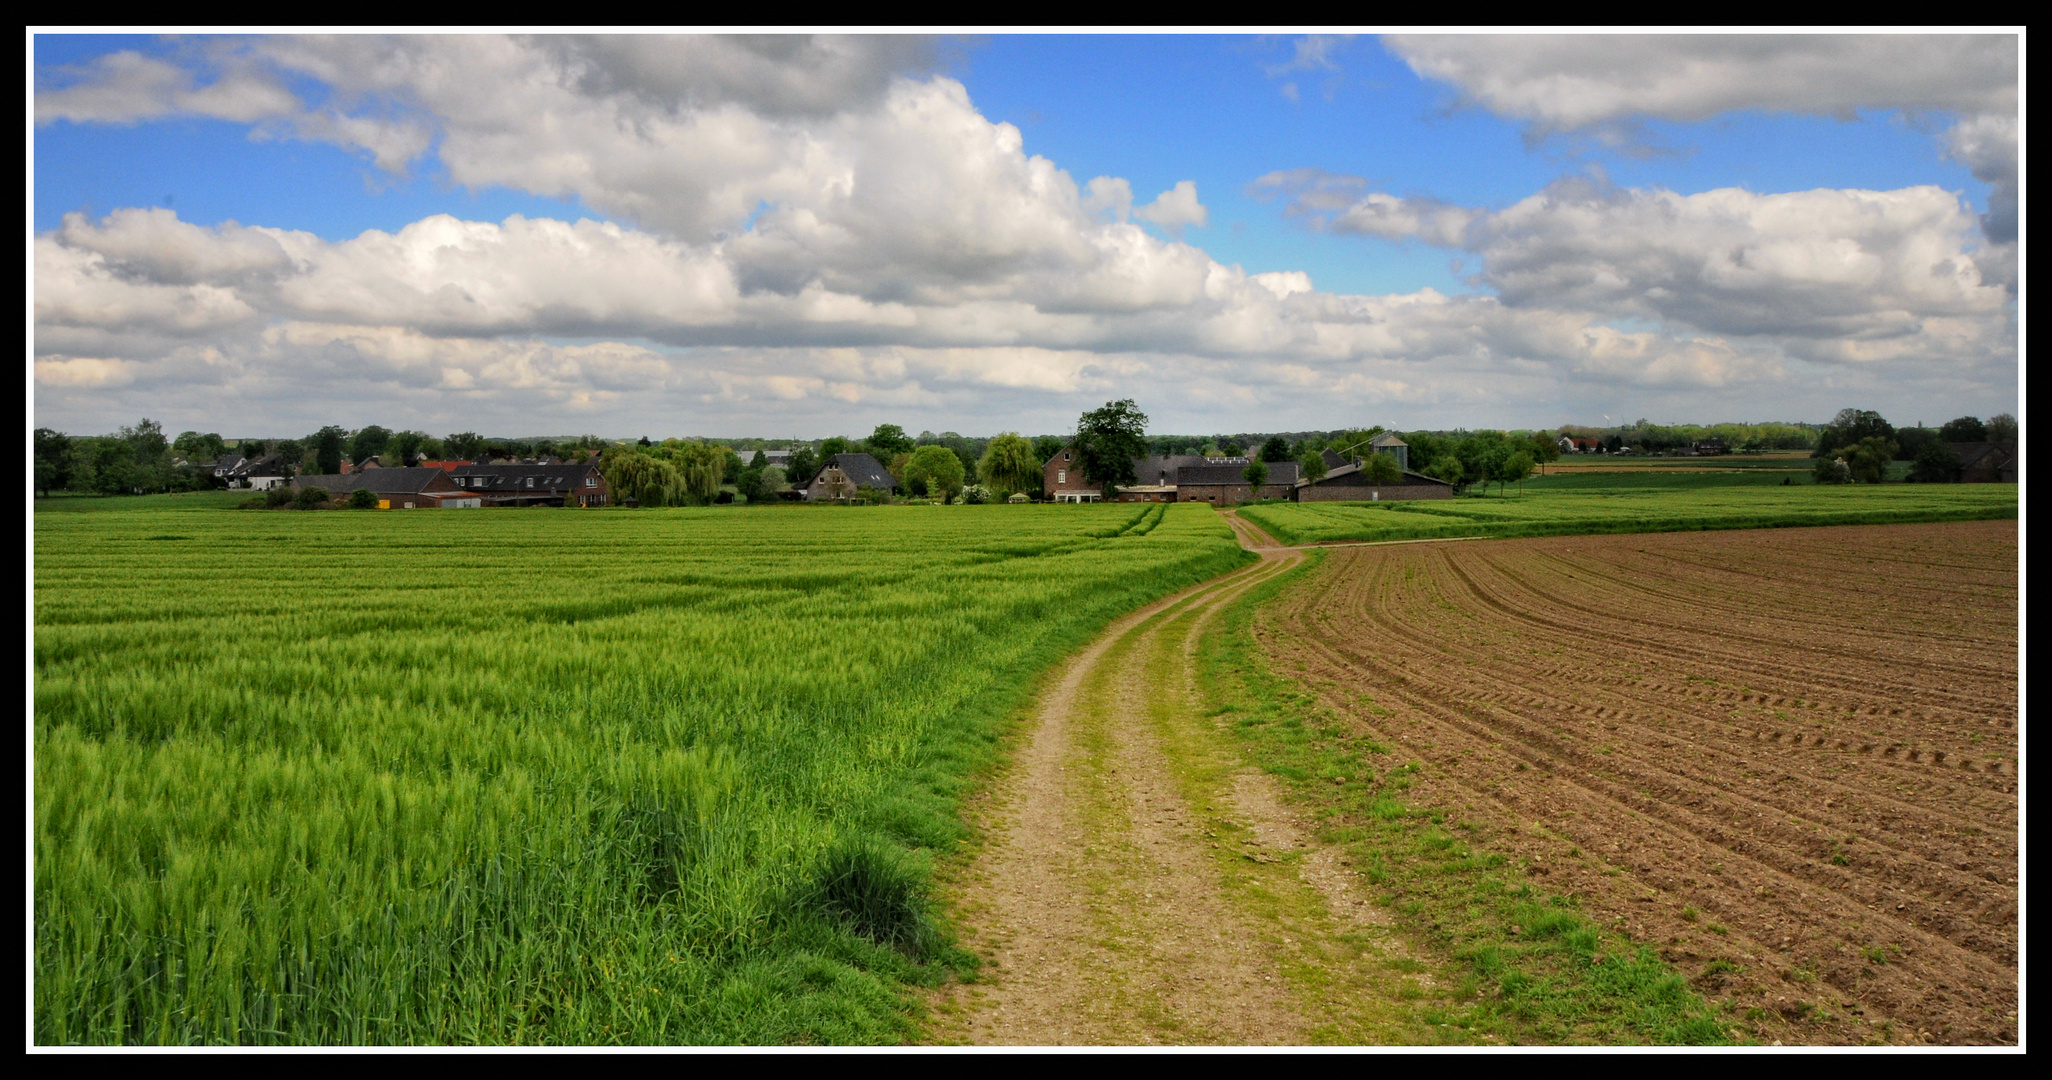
<point x="1142" y="885"/>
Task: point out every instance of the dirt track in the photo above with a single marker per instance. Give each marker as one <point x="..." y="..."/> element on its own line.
<point x="1788" y="757"/>
<point x="1142" y="886"/>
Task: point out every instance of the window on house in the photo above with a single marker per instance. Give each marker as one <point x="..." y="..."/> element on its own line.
<point x="590" y="481"/>
<point x="1061" y="476"/>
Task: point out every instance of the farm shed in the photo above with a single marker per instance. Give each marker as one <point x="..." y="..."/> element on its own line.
<point x="396" y="489"/>
<point x="1986" y="463"/>
<point x="1349" y="483"/>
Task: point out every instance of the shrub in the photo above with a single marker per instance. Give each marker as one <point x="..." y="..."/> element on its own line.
<point x="1936" y="463"/>
<point x="363" y="499"/>
<point x="310" y="498"/>
<point x="277" y="497"/>
<point x="975" y="495"/>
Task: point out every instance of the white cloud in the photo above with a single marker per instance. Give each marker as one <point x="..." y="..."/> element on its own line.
<point x="1175" y="208"/>
<point x="1573" y="81"/>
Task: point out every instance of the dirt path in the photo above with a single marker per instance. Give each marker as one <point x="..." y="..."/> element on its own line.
<point x="1143" y="886"/>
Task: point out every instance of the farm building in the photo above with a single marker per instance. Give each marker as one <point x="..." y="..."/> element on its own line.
<point x="1349" y="483"/>
<point x="260" y="474"/>
<point x="1388" y="443"/>
<point x="1170" y="478"/>
<point x="533" y="485"/>
<point x="846" y="474"/>
<point x="1575" y="444"/>
<point x="1710" y="447"/>
<point x="1986" y="463"/>
<point x="396" y="489"/>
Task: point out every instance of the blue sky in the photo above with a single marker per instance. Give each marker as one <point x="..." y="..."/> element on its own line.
<point x="1216" y="111"/>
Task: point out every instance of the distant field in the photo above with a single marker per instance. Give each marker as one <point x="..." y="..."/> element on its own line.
<point x="660" y="776"/>
<point x="184" y="500"/>
<point x="1625" y="503"/>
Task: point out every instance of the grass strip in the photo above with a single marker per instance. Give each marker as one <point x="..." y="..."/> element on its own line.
<point x="1534" y="969"/>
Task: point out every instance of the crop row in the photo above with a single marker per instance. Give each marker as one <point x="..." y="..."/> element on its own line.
<point x="648" y="777"/>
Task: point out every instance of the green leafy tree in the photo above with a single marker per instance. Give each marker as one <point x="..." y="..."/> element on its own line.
<point x="1107" y="441"/>
<point x="327" y="450"/>
<point x="1276" y="449"/>
<point x="54" y="465"/>
<point x="1045" y="447"/>
<point x="802" y="466"/>
<point x="368" y="442"/>
<point x="1868" y="460"/>
<point x="1935" y="463"/>
<point x="1382" y="469"/>
<point x="1966" y="429"/>
<point x="836" y="445"/>
<point x="406" y="446"/>
<point x="1515" y="468"/>
<point x="1010" y="464"/>
<point x="888" y="441"/>
<point x="935" y="470"/>
<point x="194" y="446"/>
<point x="1312" y="465"/>
<point x="469" y="445"/>
<point x="1911" y="442"/>
<point x="2002" y="428"/>
<point x="1847" y="429"/>
<point x="1832" y="470"/>
<point x="634" y="473"/>
<point x="752" y="487"/>
<point x="1448" y="468"/>
<point x="292" y="453"/>
<point x="309" y="498"/>
<point x="363" y="499"/>
<point x="1256" y="474"/>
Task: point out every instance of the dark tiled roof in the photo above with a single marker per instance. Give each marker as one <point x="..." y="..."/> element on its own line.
<point x="1161" y="469"/>
<point x="863" y="470"/>
<point x="1279" y="472"/>
<point x="382" y="481"/>
<point x="493" y="479"/>
<point x="1332" y="460"/>
<point x="1353" y="476"/>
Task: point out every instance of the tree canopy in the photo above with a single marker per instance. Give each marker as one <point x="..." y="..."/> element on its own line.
<point x="1966" y="429"/>
<point x="1848" y="428"/>
<point x="1010" y="465"/>
<point x="934" y="470"/>
<point x="1107" y="441"/>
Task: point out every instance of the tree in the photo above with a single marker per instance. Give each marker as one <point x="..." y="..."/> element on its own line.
<point x="888" y="441"/>
<point x="2002" y="428"/>
<point x="1966" y="429"/>
<point x="1515" y="468"/>
<point x="1868" y="460"/>
<point x="803" y="466"/>
<point x="1935" y="463"/>
<point x="194" y="446"/>
<point x="1107" y="441"/>
<point x="1275" y="449"/>
<point x="467" y="445"/>
<point x="1312" y="465"/>
<point x="406" y="446"/>
<point x="635" y="474"/>
<point x="1045" y="447"/>
<point x="1009" y="465"/>
<point x="310" y="498"/>
<point x="368" y="442"/>
<point x="292" y="452"/>
<point x="327" y="449"/>
<point x="1448" y="468"/>
<point x="1831" y="470"/>
<point x="1848" y="428"/>
<point x="1256" y="474"/>
<point x="837" y="445"/>
<point x="934" y="469"/>
<point x="1382" y="469"/>
<point x="751" y="485"/>
<point x="53" y="460"/>
<point x="363" y="499"/>
<point x="1911" y="442"/>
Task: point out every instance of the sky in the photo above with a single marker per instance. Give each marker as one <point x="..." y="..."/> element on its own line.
<point x="810" y="235"/>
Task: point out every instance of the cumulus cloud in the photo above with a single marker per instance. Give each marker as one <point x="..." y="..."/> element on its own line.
<point x="1573" y="81"/>
<point x="1175" y="208"/>
<point x="1569" y="82"/>
<point x="803" y="230"/>
<point x="1822" y="268"/>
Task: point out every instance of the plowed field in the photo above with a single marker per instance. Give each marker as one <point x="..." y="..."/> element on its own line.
<point x="1787" y="758"/>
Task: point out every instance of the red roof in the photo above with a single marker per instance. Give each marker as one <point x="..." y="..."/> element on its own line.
<point x="445" y="466"/>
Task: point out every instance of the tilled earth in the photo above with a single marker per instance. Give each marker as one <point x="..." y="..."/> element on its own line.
<point x="1785" y="757"/>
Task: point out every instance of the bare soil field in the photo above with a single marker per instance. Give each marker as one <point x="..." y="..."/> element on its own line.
<point x="1786" y="758"/>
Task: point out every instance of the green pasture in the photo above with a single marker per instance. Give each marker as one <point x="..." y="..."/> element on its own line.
<point x="1634" y="502"/>
<point x="535" y="776"/>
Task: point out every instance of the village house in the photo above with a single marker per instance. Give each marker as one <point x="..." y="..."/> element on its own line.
<point x="845" y="475"/>
<point x="396" y="489"/>
<point x="1220" y="481"/>
<point x="261" y="474"/>
<point x="1710" y="447"/>
<point x="1575" y="444"/>
<point x="561" y="484"/>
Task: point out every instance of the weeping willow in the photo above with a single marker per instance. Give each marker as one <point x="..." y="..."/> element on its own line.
<point x="675" y="473"/>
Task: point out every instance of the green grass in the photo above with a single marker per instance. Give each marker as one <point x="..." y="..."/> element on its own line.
<point x="1634" y="502"/>
<point x="1534" y="968"/>
<point x="65" y="503"/>
<point x="660" y="776"/>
